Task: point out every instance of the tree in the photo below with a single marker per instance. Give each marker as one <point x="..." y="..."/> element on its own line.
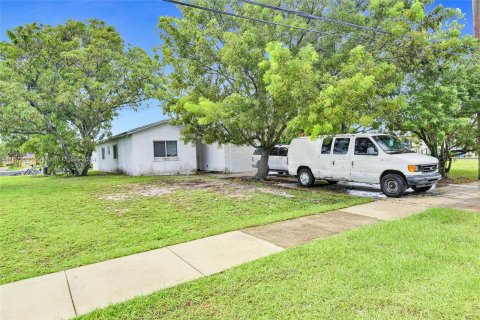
<point x="471" y="72"/>
<point x="69" y="82"/>
<point x="441" y="101"/>
<point x="242" y="82"/>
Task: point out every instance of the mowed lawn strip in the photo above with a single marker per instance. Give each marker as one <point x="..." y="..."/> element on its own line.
<point x="423" y="267"/>
<point x="52" y="223"/>
<point x="463" y="170"/>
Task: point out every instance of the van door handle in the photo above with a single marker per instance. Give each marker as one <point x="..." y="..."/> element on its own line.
<point x="352" y="163"/>
<point x="333" y="163"/>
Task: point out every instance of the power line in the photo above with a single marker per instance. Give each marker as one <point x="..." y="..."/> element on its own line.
<point x="311" y="16"/>
<point x="245" y="17"/>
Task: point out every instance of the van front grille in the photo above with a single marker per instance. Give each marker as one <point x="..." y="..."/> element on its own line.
<point x="429" y="168"/>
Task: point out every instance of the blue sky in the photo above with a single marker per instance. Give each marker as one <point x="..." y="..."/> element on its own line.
<point x="135" y="20"/>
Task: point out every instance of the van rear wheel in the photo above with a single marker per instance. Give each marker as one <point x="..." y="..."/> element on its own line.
<point x="393" y="185"/>
<point x="306" y="178"/>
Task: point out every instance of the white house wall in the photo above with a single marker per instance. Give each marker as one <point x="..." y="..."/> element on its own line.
<point x="211" y="157"/>
<point x="135" y="154"/>
<point x="144" y="162"/>
<point x="238" y="158"/>
<point x="123" y="163"/>
<point x="226" y="158"/>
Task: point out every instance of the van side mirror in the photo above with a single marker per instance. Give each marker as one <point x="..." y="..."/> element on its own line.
<point x="371" y="151"/>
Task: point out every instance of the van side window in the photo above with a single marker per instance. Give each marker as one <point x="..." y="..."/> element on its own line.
<point x="274" y="151"/>
<point x="326" y="145"/>
<point x="363" y="144"/>
<point x="257" y="152"/>
<point x="283" y="152"/>
<point x="341" y="145"/>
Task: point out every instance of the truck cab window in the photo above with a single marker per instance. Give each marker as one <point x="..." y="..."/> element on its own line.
<point x="341" y="145"/>
<point x="365" y="146"/>
<point x="326" y="145"/>
<point x="274" y="151"/>
<point x="283" y="152"/>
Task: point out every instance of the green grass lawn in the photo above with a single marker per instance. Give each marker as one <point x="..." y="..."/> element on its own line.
<point x="423" y="267"/>
<point x="463" y="170"/>
<point x="53" y="223"/>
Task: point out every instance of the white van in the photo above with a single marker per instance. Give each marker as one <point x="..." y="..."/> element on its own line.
<point x="277" y="159"/>
<point x="367" y="158"/>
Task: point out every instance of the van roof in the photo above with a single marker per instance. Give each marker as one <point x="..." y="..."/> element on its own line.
<point x="349" y="135"/>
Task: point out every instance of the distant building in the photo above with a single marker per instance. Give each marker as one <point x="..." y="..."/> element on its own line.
<point x="156" y="149"/>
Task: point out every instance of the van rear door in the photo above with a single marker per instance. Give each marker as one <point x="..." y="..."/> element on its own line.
<point x="341" y="165"/>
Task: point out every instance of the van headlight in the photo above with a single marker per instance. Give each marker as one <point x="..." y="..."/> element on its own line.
<point x="414" y="168"/>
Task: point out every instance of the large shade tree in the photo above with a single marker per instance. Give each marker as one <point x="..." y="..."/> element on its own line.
<point x="69" y="81"/>
<point x="441" y="90"/>
<point x="236" y="81"/>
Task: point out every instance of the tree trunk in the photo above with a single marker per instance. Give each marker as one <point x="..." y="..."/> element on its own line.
<point x="82" y="168"/>
<point x="441" y="155"/>
<point x="262" y="169"/>
<point x="478" y="143"/>
<point x="476" y="34"/>
<point x="441" y="167"/>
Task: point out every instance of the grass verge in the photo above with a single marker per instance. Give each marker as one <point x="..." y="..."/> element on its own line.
<point x="423" y="267"/>
<point x="463" y="171"/>
<point x="51" y="223"/>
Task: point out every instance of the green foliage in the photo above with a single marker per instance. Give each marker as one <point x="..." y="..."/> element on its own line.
<point x="69" y="82"/>
<point x="236" y="81"/>
<point x="356" y="96"/>
<point x="442" y="95"/>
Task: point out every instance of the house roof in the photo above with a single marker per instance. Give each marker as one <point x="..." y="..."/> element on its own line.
<point x="134" y="130"/>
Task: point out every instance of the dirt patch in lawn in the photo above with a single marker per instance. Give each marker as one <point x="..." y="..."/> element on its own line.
<point x="230" y="188"/>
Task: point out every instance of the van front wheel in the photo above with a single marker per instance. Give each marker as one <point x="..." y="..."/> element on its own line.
<point x="393" y="185"/>
<point x="305" y="178"/>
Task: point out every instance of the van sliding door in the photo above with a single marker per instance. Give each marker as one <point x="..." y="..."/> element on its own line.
<point x="341" y="159"/>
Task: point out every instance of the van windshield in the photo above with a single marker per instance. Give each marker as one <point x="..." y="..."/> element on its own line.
<point x="391" y="144"/>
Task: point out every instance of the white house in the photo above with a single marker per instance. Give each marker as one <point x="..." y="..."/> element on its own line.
<point x="156" y="149"/>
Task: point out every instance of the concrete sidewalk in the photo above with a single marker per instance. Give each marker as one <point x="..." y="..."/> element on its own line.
<point x="77" y="291"/>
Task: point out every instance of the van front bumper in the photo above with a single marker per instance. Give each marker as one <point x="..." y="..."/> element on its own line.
<point x="424" y="180"/>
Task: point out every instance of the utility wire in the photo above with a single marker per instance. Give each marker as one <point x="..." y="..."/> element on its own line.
<point x="245" y="17"/>
<point x="311" y="16"/>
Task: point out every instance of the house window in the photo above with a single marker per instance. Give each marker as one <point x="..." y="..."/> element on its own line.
<point x="115" y="152"/>
<point x="103" y="153"/>
<point x="165" y="149"/>
<point x="362" y="146"/>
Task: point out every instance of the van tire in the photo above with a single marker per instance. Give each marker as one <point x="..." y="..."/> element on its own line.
<point x="421" y="189"/>
<point x="305" y="177"/>
<point x="393" y="185"/>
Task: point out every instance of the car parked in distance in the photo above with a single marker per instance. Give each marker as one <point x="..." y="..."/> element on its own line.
<point x="367" y="158"/>
<point x="277" y="160"/>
